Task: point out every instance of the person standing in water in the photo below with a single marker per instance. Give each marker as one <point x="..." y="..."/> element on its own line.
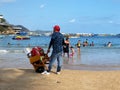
<point x="109" y="44"/>
<point x="66" y="47"/>
<point x="78" y="45"/>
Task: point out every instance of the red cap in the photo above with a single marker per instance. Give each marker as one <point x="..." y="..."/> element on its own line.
<point x="57" y="28"/>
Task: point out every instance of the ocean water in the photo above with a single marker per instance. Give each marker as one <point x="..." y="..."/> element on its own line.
<point x="98" y="57"/>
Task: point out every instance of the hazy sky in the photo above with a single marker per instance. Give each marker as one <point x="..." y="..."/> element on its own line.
<point x="73" y="16"/>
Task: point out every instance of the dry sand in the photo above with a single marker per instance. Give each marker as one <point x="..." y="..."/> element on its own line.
<point x="27" y="79"/>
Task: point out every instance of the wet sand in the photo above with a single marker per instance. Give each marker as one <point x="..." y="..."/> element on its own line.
<point x="18" y="74"/>
<point x="27" y="79"/>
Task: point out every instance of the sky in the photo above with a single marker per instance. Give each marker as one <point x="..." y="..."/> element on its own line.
<point x="73" y="16"/>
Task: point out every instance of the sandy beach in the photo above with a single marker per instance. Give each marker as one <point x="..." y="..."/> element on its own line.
<point x="27" y="79"/>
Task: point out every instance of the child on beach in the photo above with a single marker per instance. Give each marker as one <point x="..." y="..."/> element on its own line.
<point x="72" y="51"/>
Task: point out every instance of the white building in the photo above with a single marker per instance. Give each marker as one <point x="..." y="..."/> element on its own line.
<point x="1" y="16"/>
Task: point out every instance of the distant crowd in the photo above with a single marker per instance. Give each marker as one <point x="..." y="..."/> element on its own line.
<point x="85" y="43"/>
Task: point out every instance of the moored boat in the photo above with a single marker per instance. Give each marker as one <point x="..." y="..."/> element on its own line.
<point x="21" y="36"/>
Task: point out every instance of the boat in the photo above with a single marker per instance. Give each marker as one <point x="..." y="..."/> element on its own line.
<point x="21" y="36"/>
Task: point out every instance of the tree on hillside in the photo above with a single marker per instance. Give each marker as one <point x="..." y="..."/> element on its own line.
<point x="2" y="20"/>
<point x="2" y="29"/>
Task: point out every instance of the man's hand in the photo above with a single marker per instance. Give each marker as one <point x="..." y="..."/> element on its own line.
<point x="48" y="51"/>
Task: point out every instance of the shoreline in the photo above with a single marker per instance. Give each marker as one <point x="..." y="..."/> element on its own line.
<point x="92" y="67"/>
<point x="64" y="67"/>
<point x="27" y="79"/>
<point x="25" y="64"/>
<point x="86" y="61"/>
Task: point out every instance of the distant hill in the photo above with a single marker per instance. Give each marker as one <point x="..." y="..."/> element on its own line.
<point x="6" y="28"/>
<point x="11" y="29"/>
<point x="20" y="27"/>
<point x="42" y="31"/>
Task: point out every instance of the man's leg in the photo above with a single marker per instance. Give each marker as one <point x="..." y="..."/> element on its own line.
<point x="59" y="61"/>
<point x="52" y="60"/>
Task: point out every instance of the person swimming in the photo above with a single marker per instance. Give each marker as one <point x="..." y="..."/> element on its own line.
<point x="109" y="44"/>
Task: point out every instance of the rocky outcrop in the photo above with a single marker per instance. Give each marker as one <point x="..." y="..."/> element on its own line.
<point x="6" y="30"/>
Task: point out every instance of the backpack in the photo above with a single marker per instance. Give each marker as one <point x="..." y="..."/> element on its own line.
<point x="36" y="51"/>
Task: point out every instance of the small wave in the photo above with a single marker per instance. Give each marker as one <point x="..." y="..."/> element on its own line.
<point x="16" y="51"/>
<point x="11" y="51"/>
<point x="3" y="51"/>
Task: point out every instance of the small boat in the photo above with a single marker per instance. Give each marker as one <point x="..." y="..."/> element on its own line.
<point x="21" y="36"/>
